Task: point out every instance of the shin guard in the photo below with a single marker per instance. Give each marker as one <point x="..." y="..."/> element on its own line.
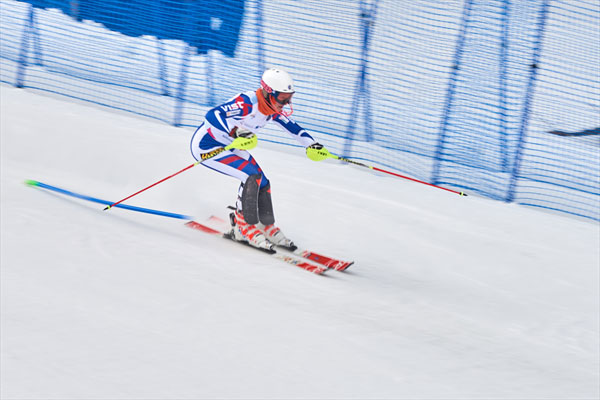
<point x="265" y="206"/>
<point x="248" y="199"/>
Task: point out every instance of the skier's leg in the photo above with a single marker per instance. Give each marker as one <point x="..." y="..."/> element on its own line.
<point x="241" y="165"/>
<point x="265" y="206"/>
<point x="267" y="220"/>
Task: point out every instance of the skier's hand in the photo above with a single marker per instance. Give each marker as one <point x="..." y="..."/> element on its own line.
<point x="241" y="132"/>
<point x="317" y="152"/>
<point x="243" y="139"/>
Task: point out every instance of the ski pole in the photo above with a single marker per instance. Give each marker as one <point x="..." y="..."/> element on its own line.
<point x="240" y="143"/>
<point x="38" y="184"/>
<point x="391" y="173"/>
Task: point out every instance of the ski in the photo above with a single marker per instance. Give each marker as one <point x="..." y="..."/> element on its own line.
<point x="316" y="269"/>
<point x="328" y="262"/>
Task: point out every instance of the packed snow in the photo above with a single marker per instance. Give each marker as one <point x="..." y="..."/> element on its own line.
<point x="449" y="297"/>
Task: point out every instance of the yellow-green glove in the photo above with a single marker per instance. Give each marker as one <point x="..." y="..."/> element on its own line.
<point x="244" y="139"/>
<point x="317" y="152"/>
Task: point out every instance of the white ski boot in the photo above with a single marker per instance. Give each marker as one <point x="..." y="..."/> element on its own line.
<point x="275" y="236"/>
<point x="244" y="232"/>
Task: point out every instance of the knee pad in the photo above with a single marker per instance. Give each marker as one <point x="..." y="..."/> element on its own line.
<point x="265" y="206"/>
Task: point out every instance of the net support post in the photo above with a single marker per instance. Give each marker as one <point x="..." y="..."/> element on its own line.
<point x="533" y="69"/>
<point x="502" y="87"/>
<point x="185" y="60"/>
<point x="162" y="68"/>
<point x="367" y="20"/>
<point x="437" y="159"/>
<point x="30" y="32"/>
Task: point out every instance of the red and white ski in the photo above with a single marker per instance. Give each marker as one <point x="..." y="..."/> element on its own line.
<point x="316" y="269"/>
<point x="333" y="263"/>
<point x="329" y="262"/>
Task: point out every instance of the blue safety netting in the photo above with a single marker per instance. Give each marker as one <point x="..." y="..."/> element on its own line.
<point x="498" y="98"/>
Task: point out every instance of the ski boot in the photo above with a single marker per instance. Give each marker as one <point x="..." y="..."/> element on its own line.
<point x="244" y="232"/>
<point x="275" y="236"/>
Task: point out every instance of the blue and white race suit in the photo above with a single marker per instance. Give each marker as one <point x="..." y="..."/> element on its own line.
<point x="242" y="111"/>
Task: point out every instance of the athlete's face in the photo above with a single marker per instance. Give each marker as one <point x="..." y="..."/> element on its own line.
<point x="282" y="100"/>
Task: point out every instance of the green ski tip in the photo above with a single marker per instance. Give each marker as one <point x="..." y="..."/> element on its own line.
<point x="31" y="182"/>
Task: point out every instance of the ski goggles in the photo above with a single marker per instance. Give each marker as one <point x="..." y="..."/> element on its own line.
<point x="282" y="98"/>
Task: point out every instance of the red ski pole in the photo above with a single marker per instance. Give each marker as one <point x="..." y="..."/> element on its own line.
<point x="393" y="173"/>
<point x="241" y="143"/>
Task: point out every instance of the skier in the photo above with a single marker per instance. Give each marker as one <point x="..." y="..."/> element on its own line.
<point x="242" y="116"/>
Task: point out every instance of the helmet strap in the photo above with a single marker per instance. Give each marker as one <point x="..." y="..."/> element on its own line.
<point x="271" y="101"/>
<point x="286" y="113"/>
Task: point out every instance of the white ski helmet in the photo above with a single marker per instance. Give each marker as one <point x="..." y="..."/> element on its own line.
<point x="275" y="81"/>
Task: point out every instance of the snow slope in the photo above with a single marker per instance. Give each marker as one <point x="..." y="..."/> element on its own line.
<point x="450" y="297"/>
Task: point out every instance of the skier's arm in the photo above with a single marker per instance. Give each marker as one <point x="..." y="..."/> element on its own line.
<point x="236" y="108"/>
<point x="295" y="130"/>
<point x="314" y="150"/>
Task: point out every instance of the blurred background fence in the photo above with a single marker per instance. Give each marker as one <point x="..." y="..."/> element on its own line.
<point x="495" y="97"/>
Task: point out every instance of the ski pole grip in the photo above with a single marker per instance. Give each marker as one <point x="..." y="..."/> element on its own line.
<point x="243" y="143"/>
